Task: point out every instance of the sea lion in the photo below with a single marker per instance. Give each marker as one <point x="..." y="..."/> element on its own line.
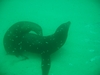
<point x="17" y="40"/>
<point x="12" y="37"/>
<point x="45" y="45"/>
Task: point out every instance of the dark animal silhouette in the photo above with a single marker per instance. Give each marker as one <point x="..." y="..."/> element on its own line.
<point x="44" y="45"/>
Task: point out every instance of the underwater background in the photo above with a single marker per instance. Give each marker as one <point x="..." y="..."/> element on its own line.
<point x="80" y="55"/>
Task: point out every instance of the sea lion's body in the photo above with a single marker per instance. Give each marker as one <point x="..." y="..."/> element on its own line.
<point x="44" y="45"/>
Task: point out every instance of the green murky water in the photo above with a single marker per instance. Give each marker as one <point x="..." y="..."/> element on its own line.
<point x="80" y="55"/>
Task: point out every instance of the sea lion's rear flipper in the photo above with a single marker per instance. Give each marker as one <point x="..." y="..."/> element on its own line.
<point x="46" y="63"/>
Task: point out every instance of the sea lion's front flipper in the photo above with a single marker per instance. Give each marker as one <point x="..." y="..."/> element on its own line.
<point x="46" y="63"/>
